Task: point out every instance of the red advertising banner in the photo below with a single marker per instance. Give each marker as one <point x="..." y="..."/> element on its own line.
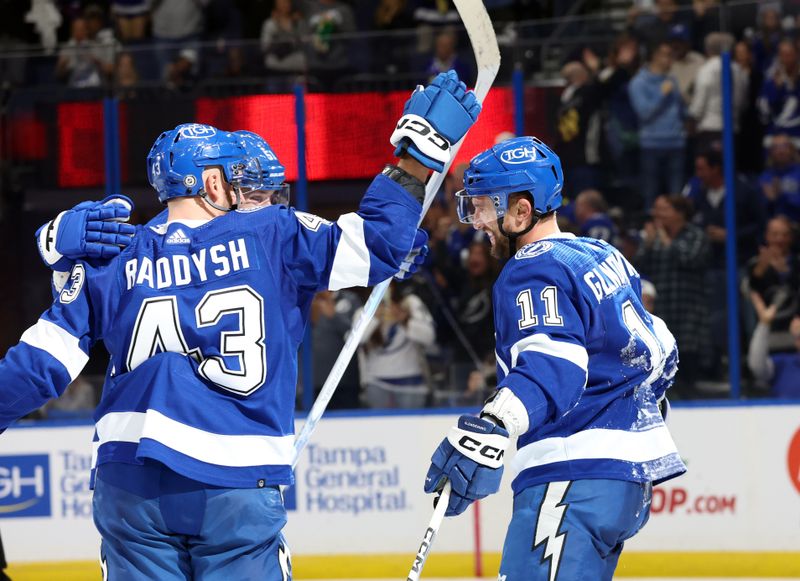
<point x="347" y="135"/>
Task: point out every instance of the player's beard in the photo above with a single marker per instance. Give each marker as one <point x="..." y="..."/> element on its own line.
<point x="500" y="243"/>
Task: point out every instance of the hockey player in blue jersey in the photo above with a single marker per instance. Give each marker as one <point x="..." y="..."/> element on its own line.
<point x="190" y="450"/>
<point x="581" y="368"/>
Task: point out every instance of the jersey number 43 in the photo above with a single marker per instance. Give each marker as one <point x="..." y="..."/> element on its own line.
<point x="158" y="328"/>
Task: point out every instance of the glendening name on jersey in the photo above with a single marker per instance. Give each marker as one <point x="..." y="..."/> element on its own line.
<point x="587" y="361"/>
<point x="609" y="275"/>
<point x="234" y="293"/>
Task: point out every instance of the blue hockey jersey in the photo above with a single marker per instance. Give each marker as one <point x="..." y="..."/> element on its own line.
<point x="576" y="346"/>
<point x="234" y="294"/>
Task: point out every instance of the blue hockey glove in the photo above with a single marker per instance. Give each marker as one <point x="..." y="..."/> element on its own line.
<point x="89" y="230"/>
<point x="434" y="119"/>
<point x="416" y="256"/>
<point x="471" y="458"/>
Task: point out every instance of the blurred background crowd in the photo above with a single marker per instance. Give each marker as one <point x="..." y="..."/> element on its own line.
<point x="635" y="115"/>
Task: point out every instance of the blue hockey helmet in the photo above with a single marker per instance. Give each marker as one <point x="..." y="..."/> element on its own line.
<point x="178" y="157"/>
<point x="263" y="179"/>
<point x="518" y="165"/>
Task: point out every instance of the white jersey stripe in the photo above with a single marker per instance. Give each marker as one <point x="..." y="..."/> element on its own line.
<point x="502" y="364"/>
<point x="597" y="444"/>
<point x="351" y="262"/>
<point x="542" y="343"/>
<point x="222" y="450"/>
<point x="59" y="343"/>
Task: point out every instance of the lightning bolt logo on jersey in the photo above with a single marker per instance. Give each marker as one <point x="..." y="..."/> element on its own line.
<point x="234" y="295"/>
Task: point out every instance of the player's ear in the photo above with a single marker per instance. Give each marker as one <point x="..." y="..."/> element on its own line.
<point x="524" y="209"/>
<point x="215" y="185"/>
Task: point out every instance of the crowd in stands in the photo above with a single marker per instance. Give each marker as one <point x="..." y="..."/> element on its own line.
<point x="640" y="136"/>
<point x="639" y="132"/>
<point x="178" y="42"/>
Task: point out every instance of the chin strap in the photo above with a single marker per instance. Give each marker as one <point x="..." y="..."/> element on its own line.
<point x="203" y="194"/>
<point x="513" y="236"/>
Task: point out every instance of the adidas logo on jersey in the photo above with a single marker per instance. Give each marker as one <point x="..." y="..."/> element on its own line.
<point x="178" y="237"/>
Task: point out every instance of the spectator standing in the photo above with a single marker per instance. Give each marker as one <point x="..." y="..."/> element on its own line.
<point x="706" y="104"/>
<point x="332" y="319"/>
<point x="686" y="61"/>
<point x="621" y="126"/>
<point x="781" y="370"/>
<point x="391" y="353"/>
<point x="655" y="27"/>
<point x="328" y="57"/>
<point x="780" y="95"/>
<point x="130" y="19"/>
<point x="578" y="141"/>
<point x="774" y="276"/>
<point x="224" y="56"/>
<point x="673" y="256"/>
<point x="45" y="19"/>
<point x="705" y="20"/>
<point x="435" y="13"/>
<point x="707" y="193"/>
<point x="282" y="39"/>
<point x="780" y="182"/>
<point x="749" y="149"/>
<point x="660" y="110"/>
<point x="429" y="16"/>
<point x="177" y="29"/>
<point x="591" y="217"/>
<point x="394" y="51"/>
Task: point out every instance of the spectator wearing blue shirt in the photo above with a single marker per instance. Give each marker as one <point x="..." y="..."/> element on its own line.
<point x="591" y="217"/>
<point x="656" y="99"/>
<point x="777" y="103"/>
<point x="780" y="182"/>
<point x="765" y="41"/>
<point x="781" y="371"/>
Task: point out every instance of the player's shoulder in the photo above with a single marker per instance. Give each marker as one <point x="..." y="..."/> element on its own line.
<point x="283" y="216"/>
<point x="563" y="251"/>
<point x="544" y="262"/>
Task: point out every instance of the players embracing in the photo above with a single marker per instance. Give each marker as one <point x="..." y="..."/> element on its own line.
<point x="582" y="368"/>
<point x="202" y="311"/>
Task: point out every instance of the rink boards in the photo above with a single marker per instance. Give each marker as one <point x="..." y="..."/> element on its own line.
<point x="358" y="509"/>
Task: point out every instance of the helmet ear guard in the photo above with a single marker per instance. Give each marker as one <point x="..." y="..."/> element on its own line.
<point x="178" y="158"/>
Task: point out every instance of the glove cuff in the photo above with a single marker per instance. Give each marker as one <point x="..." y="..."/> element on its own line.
<point x="508" y="409"/>
<point x="429" y="142"/>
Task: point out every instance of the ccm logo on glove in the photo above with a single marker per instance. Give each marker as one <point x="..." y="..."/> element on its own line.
<point x="473" y="445"/>
<point x="419" y="125"/>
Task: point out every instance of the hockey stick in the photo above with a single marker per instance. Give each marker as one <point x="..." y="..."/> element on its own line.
<point x="487" y="56"/>
<point x="430" y="534"/>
